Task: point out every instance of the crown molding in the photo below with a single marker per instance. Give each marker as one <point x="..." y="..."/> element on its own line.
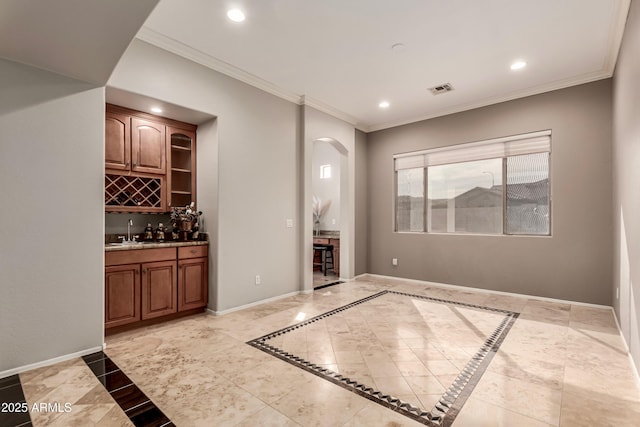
<point x="616" y="32"/>
<point x="560" y="84"/>
<point x="325" y="108"/>
<point x="171" y="45"/>
<point x="167" y="43"/>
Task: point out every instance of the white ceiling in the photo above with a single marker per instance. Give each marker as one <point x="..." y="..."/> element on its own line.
<point x="336" y="55"/>
<point x="83" y="39"/>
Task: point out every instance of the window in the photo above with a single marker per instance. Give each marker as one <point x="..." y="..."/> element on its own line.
<point x="325" y="171"/>
<point x="499" y="186"/>
<point x="463" y="197"/>
<point x="410" y="201"/>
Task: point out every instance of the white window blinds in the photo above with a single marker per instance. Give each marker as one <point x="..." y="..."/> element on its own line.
<point x="538" y="142"/>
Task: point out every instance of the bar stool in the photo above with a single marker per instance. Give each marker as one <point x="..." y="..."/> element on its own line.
<point x="325" y="253"/>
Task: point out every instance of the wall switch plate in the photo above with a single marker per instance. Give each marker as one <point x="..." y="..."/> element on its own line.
<point x="289" y="223"/>
<point x="333" y="221"/>
<point x="258" y="280"/>
<point x="394" y="262"/>
<point x="617" y="293"/>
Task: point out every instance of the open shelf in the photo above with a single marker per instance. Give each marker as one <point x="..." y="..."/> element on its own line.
<point x="182" y="169"/>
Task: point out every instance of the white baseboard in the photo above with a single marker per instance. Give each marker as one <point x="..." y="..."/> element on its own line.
<point x="253" y="304"/>
<point x="626" y="346"/>
<point x="48" y="362"/>
<point x="485" y="291"/>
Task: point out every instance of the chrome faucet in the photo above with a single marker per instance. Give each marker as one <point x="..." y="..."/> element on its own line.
<point x="129" y="224"/>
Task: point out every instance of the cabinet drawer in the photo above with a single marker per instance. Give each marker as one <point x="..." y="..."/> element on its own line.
<point x="135" y="256"/>
<point x="193" y="251"/>
<point x="320" y="241"/>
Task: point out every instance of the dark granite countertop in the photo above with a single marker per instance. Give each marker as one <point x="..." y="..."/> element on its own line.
<point x="109" y="247"/>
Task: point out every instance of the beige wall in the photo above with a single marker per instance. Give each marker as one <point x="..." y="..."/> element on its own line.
<point x="361" y="212"/>
<point x="626" y="184"/>
<point x="574" y="263"/>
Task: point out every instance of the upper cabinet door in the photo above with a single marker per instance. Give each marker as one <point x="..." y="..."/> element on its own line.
<point x="117" y="141"/>
<point x="148" y="146"/>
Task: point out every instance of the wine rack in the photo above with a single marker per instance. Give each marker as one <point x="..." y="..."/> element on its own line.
<point x="139" y="193"/>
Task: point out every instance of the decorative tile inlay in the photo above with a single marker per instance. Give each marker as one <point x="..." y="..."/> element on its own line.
<point x="135" y="404"/>
<point x="372" y="331"/>
<point x="15" y="410"/>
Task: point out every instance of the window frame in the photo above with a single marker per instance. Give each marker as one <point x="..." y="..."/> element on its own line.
<point x="504" y="157"/>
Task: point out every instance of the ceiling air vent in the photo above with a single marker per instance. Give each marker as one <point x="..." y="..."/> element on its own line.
<point x="437" y="90"/>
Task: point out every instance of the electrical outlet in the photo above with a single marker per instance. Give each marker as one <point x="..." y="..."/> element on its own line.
<point x="258" y="280"/>
<point x="289" y="223"/>
<point x="333" y="221"/>
<point x="394" y="262"/>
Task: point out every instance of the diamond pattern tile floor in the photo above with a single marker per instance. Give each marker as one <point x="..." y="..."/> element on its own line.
<point x="560" y="364"/>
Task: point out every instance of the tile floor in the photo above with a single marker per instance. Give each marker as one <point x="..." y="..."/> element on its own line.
<point x="558" y="364"/>
<point x="320" y="279"/>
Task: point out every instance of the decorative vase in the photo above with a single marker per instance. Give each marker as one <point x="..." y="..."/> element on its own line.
<point x="185" y="229"/>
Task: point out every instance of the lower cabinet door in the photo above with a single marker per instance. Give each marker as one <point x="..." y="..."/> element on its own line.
<point x="122" y="295"/>
<point x="193" y="287"/>
<point x="159" y="291"/>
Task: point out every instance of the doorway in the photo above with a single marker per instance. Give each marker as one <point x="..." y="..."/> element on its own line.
<point x="329" y="159"/>
<point x="340" y="135"/>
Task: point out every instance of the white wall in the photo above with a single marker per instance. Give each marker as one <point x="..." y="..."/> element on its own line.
<point x="257" y="170"/>
<point x="626" y="184"/>
<point x="51" y="250"/>
<point x="327" y="189"/>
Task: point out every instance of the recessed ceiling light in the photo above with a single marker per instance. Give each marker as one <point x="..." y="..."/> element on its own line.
<point x="518" y="65"/>
<point x="236" y="15"/>
<point x="156" y="109"/>
<point x="384" y="104"/>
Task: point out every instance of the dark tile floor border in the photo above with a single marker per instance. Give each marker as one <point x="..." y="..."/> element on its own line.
<point x="15" y="410"/>
<point x="135" y="404"/>
<point x="450" y="403"/>
<point x="327" y="285"/>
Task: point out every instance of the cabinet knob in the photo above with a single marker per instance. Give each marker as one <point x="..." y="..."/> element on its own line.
<point x="144" y="271"/>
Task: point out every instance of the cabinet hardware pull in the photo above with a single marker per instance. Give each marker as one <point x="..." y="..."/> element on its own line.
<point x="144" y="271"/>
